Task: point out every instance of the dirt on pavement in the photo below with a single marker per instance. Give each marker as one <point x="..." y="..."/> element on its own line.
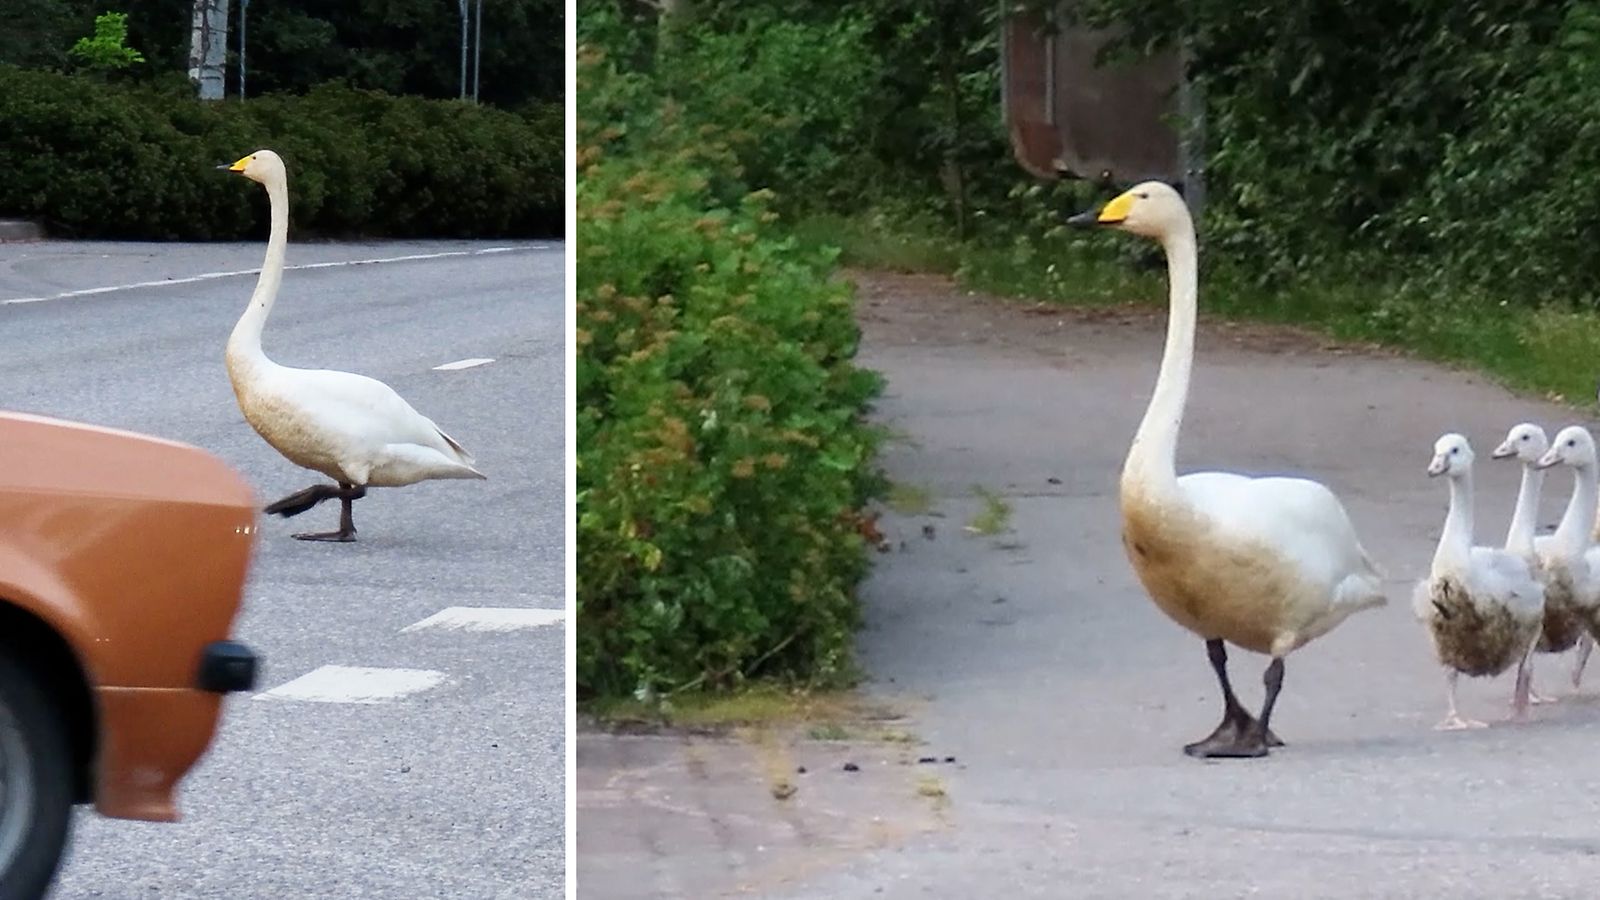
<point x="1035" y="660"/>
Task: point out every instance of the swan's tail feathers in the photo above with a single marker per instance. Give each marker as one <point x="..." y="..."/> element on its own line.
<point x="456" y="446"/>
<point x="1362" y="590"/>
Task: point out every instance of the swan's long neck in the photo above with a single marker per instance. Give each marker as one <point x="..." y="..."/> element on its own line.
<point x="245" y="342"/>
<point x="1519" y="537"/>
<point x="1573" y="534"/>
<point x="1153" y="457"/>
<point x="1455" y="542"/>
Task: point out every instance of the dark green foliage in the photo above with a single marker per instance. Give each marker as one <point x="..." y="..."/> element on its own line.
<point x="839" y="106"/>
<point x="139" y="162"/>
<point x="722" y="456"/>
<point x="1425" y="142"/>
<point x="1419" y="144"/>
<point x="396" y="46"/>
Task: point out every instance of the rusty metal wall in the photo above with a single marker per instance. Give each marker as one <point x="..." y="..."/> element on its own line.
<point x="1066" y="116"/>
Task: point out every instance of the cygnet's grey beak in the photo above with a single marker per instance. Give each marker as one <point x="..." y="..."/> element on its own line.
<point x="1438" y="466"/>
<point x="1547" y="460"/>
<point x="1503" y="451"/>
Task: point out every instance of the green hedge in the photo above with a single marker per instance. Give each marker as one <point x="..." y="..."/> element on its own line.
<point x="91" y="159"/>
<point x="722" y="455"/>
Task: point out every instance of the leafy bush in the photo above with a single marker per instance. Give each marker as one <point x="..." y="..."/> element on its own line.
<point x="1516" y="198"/>
<point x="840" y="106"/>
<point x="721" y="453"/>
<point x="93" y="160"/>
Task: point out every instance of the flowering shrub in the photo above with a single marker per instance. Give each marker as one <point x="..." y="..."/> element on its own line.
<point x="722" y="455"/>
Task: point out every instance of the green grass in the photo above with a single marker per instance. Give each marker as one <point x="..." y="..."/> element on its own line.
<point x="909" y="499"/>
<point x="994" y="517"/>
<point x="878" y="241"/>
<point x="1543" y="347"/>
<point x="828" y="731"/>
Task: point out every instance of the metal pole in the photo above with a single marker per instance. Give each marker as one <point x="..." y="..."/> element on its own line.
<point x="477" y="50"/>
<point x="244" y="10"/>
<point x="463" y="49"/>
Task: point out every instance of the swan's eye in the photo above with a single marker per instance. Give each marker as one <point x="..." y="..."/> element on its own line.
<point x="1454" y="450"/>
<point x="1144" y="195"/>
<point x="1524" y="437"/>
<point x="1571" y="442"/>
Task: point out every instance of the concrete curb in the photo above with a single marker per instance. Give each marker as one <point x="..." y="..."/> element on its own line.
<point x="18" y="230"/>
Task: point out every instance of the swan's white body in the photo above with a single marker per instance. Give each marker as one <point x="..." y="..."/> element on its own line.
<point x="1568" y="559"/>
<point x="1572" y="581"/>
<point x="1483" y="606"/>
<point x="1267" y="564"/>
<point x="351" y="428"/>
<point x="1271" y="563"/>
<point x="1527" y="443"/>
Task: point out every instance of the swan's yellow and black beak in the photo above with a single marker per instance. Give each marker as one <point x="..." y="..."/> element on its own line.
<point x="236" y="167"/>
<point x="1113" y="213"/>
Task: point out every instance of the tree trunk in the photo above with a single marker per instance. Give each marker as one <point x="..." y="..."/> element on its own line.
<point x="208" y="48"/>
<point x="951" y="174"/>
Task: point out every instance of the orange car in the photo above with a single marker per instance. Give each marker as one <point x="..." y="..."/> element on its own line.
<point x="122" y="564"/>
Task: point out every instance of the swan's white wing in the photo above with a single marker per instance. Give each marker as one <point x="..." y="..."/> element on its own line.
<point x="1300" y="518"/>
<point x="364" y="409"/>
<point x="1499" y="576"/>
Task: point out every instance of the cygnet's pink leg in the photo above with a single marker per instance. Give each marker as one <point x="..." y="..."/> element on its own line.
<point x="1534" y="696"/>
<point x="1519" y="695"/>
<point x="1454" y="721"/>
<point x="1585" y="644"/>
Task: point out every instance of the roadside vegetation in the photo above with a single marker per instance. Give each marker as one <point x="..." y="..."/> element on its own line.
<point x="723" y="460"/>
<point x="102" y="136"/>
<point x="128" y="161"/>
<point x="1415" y="174"/>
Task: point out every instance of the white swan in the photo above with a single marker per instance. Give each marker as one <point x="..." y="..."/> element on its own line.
<point x="351" y="428"/>
<point x="1569" y="558"/>
<point x="1482" y="605"/>
<point x="1526" y="443"/>
<point x="1267" y="564"/>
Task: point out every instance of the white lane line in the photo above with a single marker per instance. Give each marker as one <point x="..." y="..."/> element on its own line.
<point x="488" y="618"/>
<point x="211" y="276"/>
<point x="354" y="684"/>
<point x="459" y="364"/>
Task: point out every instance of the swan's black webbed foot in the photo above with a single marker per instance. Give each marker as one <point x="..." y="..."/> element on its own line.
<point x="341" y="537"/>
<point x="1239" y="735"/>
<point x="1238" y="738"/>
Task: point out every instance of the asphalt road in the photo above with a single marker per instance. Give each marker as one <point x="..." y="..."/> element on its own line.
<point x="454" y="790"/>
<point x="1034" y="659"/>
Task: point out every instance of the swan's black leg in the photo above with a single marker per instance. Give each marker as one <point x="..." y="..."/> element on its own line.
<point x="347" y="495"/>
<point x="1239" y="734"/>
<point x="300" y="501"/>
